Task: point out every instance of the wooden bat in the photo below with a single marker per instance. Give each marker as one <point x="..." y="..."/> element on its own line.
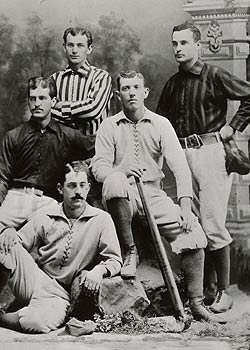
<point x="166" y="270"/>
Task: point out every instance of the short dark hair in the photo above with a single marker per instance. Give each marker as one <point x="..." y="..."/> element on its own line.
<point x="187" y="25"/>
<point x="76" y="166"/>
<point x="49" y="83"/>
<point x="129" y="74"/>
<point x="78" y="30"/>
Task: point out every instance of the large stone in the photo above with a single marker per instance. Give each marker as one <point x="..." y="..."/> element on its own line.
<point x="118" y="295"/>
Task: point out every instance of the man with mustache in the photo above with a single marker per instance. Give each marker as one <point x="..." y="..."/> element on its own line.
<point x="74" y="240"/>
<point x="195" y="102"/>
<point x="33" y="156"/>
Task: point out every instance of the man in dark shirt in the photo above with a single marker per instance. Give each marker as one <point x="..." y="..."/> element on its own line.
<point x="33" y="156"/>
<point x="195" y="102"/>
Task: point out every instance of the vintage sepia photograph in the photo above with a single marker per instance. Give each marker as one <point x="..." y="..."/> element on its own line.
<point x="124" y="174"/>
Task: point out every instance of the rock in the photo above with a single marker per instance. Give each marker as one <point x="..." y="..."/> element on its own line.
<point x="7" y="298"/>
<point x="82" y="306"/>
<point x="118" y="295"/>
<point x="77" y="328"/>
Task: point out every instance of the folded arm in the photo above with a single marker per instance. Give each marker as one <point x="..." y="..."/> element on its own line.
<point x="93" y="105"/>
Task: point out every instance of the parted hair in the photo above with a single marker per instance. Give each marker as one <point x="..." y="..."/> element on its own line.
<point x="49" y="83"/>
<point x="78" y="30"/>
<point x="76" y="166"/>
<point x="129" y="74"/>
<point x="187" y="25"/>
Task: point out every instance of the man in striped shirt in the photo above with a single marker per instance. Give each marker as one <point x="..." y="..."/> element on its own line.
<point x="195" y="102"/>
<point x="84" y="91"/>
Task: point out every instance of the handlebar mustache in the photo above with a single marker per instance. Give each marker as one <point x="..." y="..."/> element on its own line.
<point x="77" y="197"/>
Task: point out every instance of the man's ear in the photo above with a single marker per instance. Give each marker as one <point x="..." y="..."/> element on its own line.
<point x="59" y="188"/>
<point x="90" y="48"/>
<point x="53" y="101"/>
<point x="146" y="92"/>
<point x="118" y="95"/>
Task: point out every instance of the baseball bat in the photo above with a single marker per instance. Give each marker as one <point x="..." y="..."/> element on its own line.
<point x="166" y="270"/>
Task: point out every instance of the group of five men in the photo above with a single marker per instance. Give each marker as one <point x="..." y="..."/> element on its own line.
<point x="42" y="160"/>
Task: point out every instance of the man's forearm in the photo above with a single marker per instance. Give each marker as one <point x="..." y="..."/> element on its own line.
<point x="185" y="203"/>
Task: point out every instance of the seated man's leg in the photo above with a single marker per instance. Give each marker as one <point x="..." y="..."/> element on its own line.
<point x="18" y="207"/>
<point x="46" y="300"/>
<point x="95" y="193"/>
<point x="117" y="197"/>
<point x="189" y="245"/>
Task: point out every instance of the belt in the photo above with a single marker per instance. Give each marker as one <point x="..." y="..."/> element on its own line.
<point x="196" y="141"/>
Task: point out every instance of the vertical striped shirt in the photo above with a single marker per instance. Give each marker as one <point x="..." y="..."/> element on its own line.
<point x="85" y="96"/>
<point x="195" y="101"/>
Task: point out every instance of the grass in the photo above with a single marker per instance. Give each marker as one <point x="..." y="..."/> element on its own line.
<point x="236" y="331"/>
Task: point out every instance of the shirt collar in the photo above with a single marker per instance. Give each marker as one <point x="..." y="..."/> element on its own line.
<point x="195" y="69"/>
<point x="83" y="70"/>
<point x="122" y="117"/>
<point x="57" y="210"/>
<point x="33" y="126"/>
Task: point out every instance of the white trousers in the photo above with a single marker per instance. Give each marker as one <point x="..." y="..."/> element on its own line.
<point x="46" y="300"/>
<point x="166" y="213"/>
<point x="18" y="206"/>
<point x="212" y="185"/>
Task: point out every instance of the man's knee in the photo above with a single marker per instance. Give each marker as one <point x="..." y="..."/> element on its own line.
<point x="170" y="231"/>
<point x="195" y="239"/>
<point x="43" y="319"/>
<point x="34" y="324"/>
<point x="116" y="185"/>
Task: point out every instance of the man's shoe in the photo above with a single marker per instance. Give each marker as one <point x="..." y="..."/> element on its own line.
<point x="201" y="313"/>
<point x="131" y="260"/>
<point x="210" y="294"/>
<point x="222" y="303"/>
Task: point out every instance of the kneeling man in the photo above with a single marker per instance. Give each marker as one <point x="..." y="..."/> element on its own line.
<point x="73" y="239"/>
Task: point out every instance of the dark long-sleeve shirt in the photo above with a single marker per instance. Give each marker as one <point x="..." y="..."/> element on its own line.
<point x="30" y="156"/>
<point x="195" y="101"/>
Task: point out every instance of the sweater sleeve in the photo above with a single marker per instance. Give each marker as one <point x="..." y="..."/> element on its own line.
<point x="31" y="233"/>
<point x="102" y="163"/>
<point x="176" y="159"/>
<point x="109" y="248"/>
<point x="98" y="97"/>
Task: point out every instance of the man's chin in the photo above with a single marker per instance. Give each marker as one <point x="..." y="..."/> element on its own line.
<point x="76" y="62"/>
<point x="133" y="106"/>
<point x="180" y="59"/>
